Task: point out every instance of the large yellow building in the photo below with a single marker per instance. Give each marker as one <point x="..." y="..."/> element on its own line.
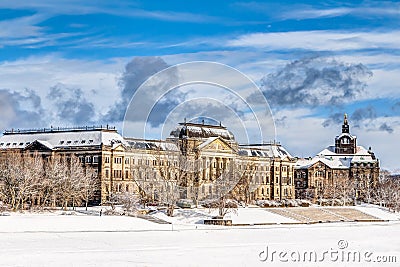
<point x="200" y="158"/>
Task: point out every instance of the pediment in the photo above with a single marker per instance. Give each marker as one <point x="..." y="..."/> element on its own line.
<point x="39" y="145"/>
<point x="318" y="164"/>
<point x="119" y="147"/>
<point x="215" y="144"/>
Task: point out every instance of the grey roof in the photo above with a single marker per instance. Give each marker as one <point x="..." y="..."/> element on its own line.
<point x="60" y="139"/>
<point x="201" y="131"/>
<point x="337" y="161"/>
<point x="270" y="150"/>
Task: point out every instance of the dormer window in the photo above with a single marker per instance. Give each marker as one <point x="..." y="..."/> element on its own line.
<point x="61" y="142"/>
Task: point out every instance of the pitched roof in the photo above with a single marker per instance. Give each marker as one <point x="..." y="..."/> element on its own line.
<point x="59" y="139"/>
<point x="270" y="150"/>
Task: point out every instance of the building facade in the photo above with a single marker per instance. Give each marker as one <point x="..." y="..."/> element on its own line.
<point x="344" y="166"/>
<point x="195" y="156"/>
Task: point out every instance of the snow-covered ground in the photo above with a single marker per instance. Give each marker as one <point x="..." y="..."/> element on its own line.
<point x="240" y="216"/>
<point x="52" y="239"/>
<point x="379" y="212"/>
<point x="257" y="215"/>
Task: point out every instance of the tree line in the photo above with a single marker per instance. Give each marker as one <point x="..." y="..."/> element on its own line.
<point x="31" y="180"/>
<point x="349" y="191"/>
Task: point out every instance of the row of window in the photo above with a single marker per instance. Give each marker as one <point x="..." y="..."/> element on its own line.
<point x="14" y="144"/>
<point x="89" y="159"/>
<point x="118" y="160"/>
<point x="117" y="174"/>
<point x="363" y="164"/>
<point x="75" y="142"/>
<point x="127" y="161"/>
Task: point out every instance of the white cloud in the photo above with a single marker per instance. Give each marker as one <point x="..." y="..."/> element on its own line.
<point x="117" y="8"/>
<point x="21" y="27"/>
<point x="98" y="80"/>
<point x="254" y="64"/>
<point x="323" y="40"/>
<point x="360" y="11"/>
<point x="384" y="84"/>
<point x="309" y="13"/>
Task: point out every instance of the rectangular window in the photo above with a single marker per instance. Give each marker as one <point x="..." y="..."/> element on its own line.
<point x="126" y="160"/>
<point x="95" y="159"/>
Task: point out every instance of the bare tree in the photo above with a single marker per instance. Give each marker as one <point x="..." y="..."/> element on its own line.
<point x="346" y="189"/>
<point x="387" y="193"/>
<point x="89" y="185"/>
<point x="129" y="201"/>
<point x="32" y="173"/>
<point x="10" y="177"/>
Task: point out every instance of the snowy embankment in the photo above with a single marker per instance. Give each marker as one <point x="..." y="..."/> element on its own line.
<point x="240" y="216"/>
<point x="379" y="212"/>
<point x="258" y="215"/>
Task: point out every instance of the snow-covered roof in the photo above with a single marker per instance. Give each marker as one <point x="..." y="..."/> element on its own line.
<point x="337" y="161"/>
<point x="45" y="143"/>
<point x="264" y="150"/>
<point x="333" y="162"/>
<point x="151" y="144"/>
<point x="60" y="139"/>
<point x="202" y="131"/>
<point x="330" y="151"/>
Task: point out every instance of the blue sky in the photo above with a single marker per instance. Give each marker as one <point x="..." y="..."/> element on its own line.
<point x="79" y="62"/>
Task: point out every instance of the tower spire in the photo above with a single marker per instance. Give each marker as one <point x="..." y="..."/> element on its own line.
<point x="345" y="126"/>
